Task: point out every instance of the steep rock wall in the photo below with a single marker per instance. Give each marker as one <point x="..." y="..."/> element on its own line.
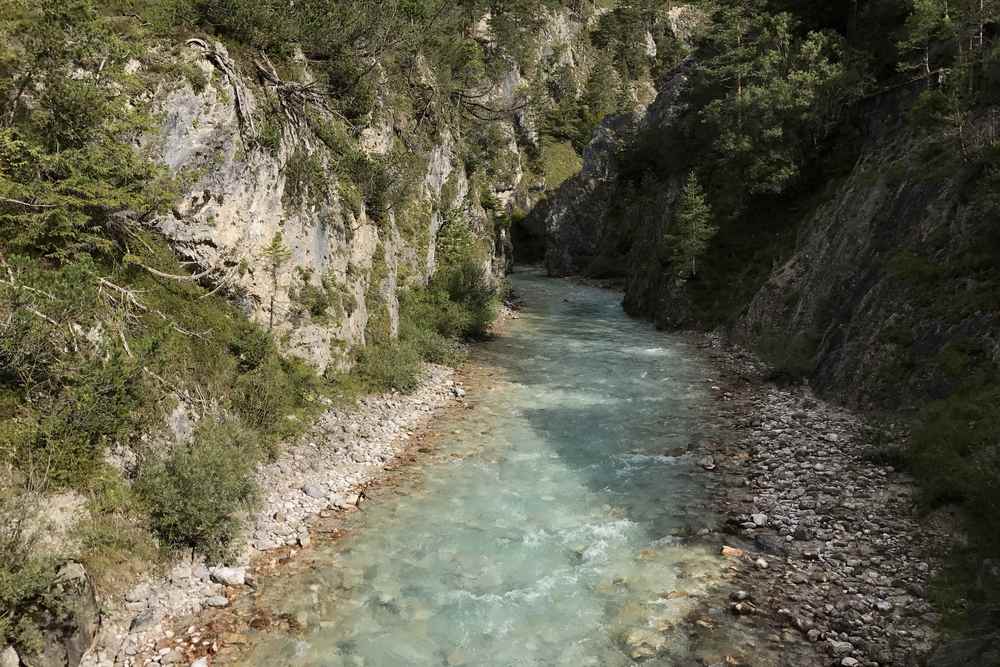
<point x="878" y="301"/>
<point x="880" y="296"/>
<point x="239" y="196"/>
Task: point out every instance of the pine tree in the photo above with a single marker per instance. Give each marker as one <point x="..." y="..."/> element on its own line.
<point x="275" y="256"/>
<point x="692" y="229"/>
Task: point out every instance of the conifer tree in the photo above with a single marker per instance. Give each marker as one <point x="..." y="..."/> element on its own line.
<point x="276" y="254"/>
<point x="691" y="230"/>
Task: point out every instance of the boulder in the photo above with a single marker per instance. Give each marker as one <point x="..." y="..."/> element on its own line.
<point x="314" y="491"/>
<point x="229" y="576"/>
<point x="9" y="658"/>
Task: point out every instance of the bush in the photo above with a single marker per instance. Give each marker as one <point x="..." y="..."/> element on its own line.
<point x="25" y="578"/>
<point x="466" y="285"/>
<point x="267" y="396"/>
<point x="956" y="453"/>
<point x="388" y="365"/>
<point x="102" y="405"/>
<point x="251" y="345"/>
<point x="196" y="493"/>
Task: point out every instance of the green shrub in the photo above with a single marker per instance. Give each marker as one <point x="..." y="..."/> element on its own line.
<point x="313" y="299"/>
<point x="100" y="405"/>
<point x="251" y="345"/>
<point x="429" y="323"/>
<point x="389" y="365"/>
<point x="956" y="453"/>
<point x="25" y="577"/>
<point x="270" y="134"/>
<point x="116" y="545"/>
<point x="270" y="398"/>
<point x="195" y="494"/>
<point x="467" y="285"/>
<point x="559" y="163"/>
<point x="306" y="180"/>
<point x="791" y="360"/>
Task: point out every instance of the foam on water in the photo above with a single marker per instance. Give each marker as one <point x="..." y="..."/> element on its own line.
<point x="548" y="536"/>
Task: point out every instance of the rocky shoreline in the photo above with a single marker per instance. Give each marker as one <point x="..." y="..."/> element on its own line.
<point x="829" y="560"/>
<point x="343" y="452"/>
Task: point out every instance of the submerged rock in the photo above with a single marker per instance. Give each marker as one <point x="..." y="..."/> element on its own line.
<point x="644" y="643"/>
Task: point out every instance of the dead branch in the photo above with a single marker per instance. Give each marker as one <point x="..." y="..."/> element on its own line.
<point x="41" y="315"/>
<point x="25" y="203"/>
<point x="222" y="283"/>
<point x="174" y="276"/>
<point x="174" y="389"/>
<point x="121" y="335"/>
<point x="127" y="296"/>
<point x="223" y="64"/>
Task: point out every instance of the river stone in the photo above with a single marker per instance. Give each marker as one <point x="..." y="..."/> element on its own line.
<point x="143" y="621"/>
<point x="172" y="657"/>
<point x="200" y="662"/>
<point x="138" y="594"/>
<point x="229" y="576"/>
<point x="770" y="544"/>
<point x="759" y="520"/>
<point x="314" y="491"/>
<point x="840" y="648"/>
<point x="217" y="601"/>
<point x="644" y="643"/>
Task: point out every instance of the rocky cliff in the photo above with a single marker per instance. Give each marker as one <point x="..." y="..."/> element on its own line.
<point x="881" y="296"/>
<point x="872" y="273"/>
<point x="241" y="193"/>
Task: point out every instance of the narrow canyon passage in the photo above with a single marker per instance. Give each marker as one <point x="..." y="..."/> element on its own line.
<point x="546" y="530"/>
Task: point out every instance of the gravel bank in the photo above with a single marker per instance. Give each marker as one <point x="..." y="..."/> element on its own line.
<point x="830" y="560"/>
<point x="344" y="451"/>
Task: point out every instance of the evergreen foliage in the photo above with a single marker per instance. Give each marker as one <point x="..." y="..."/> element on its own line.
<point x="691" y="230"/>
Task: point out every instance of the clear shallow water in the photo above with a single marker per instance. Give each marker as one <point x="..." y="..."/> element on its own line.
<point x="544" y="531"/>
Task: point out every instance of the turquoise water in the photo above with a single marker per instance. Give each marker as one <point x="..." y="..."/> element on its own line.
<point x="545" y="529"/>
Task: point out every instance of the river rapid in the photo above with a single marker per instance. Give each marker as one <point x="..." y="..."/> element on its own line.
<point x="548" y="527"/>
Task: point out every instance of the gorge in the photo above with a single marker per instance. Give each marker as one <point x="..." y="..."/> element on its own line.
<point x="244" y="247"/>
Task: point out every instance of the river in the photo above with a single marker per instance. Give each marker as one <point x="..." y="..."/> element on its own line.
<point x="547" y="528"/>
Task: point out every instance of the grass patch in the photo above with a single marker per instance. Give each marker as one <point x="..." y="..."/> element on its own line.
<point x="560" y="162"/>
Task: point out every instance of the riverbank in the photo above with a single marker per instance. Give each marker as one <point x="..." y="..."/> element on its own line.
<point x="344" y="451"/>
<point x="829" y="558"/>
<point x="825" y="562"/>
<point x="830" y="562"/>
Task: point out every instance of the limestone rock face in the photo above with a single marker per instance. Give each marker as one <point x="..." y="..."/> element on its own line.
<point x="848" y="295"/>
<point x="848" y="291"/>
<point x="242" y="187"/>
